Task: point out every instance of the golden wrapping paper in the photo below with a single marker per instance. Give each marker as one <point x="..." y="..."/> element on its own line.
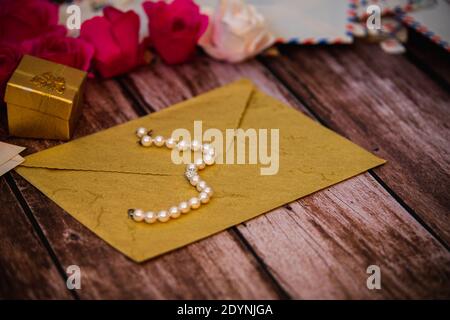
<point x="98" y="178"/>
<point x="44" y="99"/>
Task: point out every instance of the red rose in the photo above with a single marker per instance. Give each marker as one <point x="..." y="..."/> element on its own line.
<point x="27" y="19"/>
<point x="9" y="59"/>
<point x="71" y="52"/>
<point x="175" y="28"/>
<point x="115" y="37"/>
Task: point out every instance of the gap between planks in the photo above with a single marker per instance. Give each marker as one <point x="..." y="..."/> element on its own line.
<point x="216" y="267"/>
<point x="26" y="209"/>
<point x="429" y="57"/>
<point x="156" y="88"/>
<point x="428" y="203"/>
<point x="384" y="184"/>
<point x="293" y="287"/>
<point x="26" y="264"/>
<point x="137" y="102"/>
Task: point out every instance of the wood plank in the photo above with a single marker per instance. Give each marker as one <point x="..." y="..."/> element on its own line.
<point x="27" y="270"/>
<point x="322" y="247"/>
<point x="217" y="267"/>
<point x="387" y="105"/>
<point x="337" y="233"/>
<point x="429" y="57"/>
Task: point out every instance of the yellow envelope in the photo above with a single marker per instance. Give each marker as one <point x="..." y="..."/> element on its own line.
<point x="98" y="178"/>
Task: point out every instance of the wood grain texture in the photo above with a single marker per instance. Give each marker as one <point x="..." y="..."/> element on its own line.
<point x="387" y="105"/>
<point x="317" y="247"/>
<point x="325" y="243"/>
<point x="26" y="268"/>
<point x="431" y="58"/>
<point x="217" y="267"/>
<point x="321" y="245"/>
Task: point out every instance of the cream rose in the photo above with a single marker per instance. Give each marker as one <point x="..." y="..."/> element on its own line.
<point x="236" y="32"/>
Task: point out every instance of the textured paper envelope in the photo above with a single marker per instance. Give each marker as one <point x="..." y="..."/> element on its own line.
<point x="99" y="177"/>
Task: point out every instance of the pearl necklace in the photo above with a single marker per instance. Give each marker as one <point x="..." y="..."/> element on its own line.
<point x="205" y="192"/>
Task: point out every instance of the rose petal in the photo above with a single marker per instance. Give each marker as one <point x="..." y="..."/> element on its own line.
<point x="72" y="52"/>
<point x="175" y="28"/>
<point x="27" y="19"/>
<point x="115" y="37"/>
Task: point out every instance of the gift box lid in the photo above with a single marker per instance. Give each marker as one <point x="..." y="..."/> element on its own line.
<point x="45" y="86"/>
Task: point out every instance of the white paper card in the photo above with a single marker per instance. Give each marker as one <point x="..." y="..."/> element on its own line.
<point x="9" y="157"/>
<point x="432" y="21"/>
<point x="305" y="21"/>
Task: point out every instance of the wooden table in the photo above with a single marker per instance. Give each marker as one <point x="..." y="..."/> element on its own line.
<point x="395" y="216"/>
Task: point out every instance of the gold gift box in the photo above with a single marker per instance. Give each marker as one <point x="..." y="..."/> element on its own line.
<point x="44" y="99"/>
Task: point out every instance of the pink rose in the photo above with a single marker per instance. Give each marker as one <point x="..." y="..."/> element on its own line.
<point x="27" y="19"/>
<point x="71" y="52"/>
<point x="115" y="37"/>
<point x="9" y="59"/>
<point x="175" y="28"/>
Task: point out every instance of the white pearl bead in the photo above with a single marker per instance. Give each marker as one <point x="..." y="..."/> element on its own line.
<point x="163" y="216"/>
<point x="174" y="212"/>
<point x="203" y="197"/>
<point x="210" y="152"/>
<point x="209" y="160"/>
<point x="209" y="191"/>
<point x="194" y="203"/>
<point x="150" y="217"/>
<point x="170" y="143"/>
<point x="205" y="192"/>
<point x="159" y="141"/>
<point x="184" y="207"/>
<point x="138" y="215"/>
<point x="146" y="141"/>
<point x="201" y="185"/>
<point x="200" y="163"/>
<point x="182" y="145"/>
<point x="140" y="132"/>
<point x="191" y="167"/>
<point x="195" y="145"/>
<point x="194" y="180"/>
<point x="206" y="147"/>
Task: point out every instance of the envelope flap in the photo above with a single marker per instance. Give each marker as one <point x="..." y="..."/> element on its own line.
<point x="116" y="149"/>
<point x="305" y="157"/>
